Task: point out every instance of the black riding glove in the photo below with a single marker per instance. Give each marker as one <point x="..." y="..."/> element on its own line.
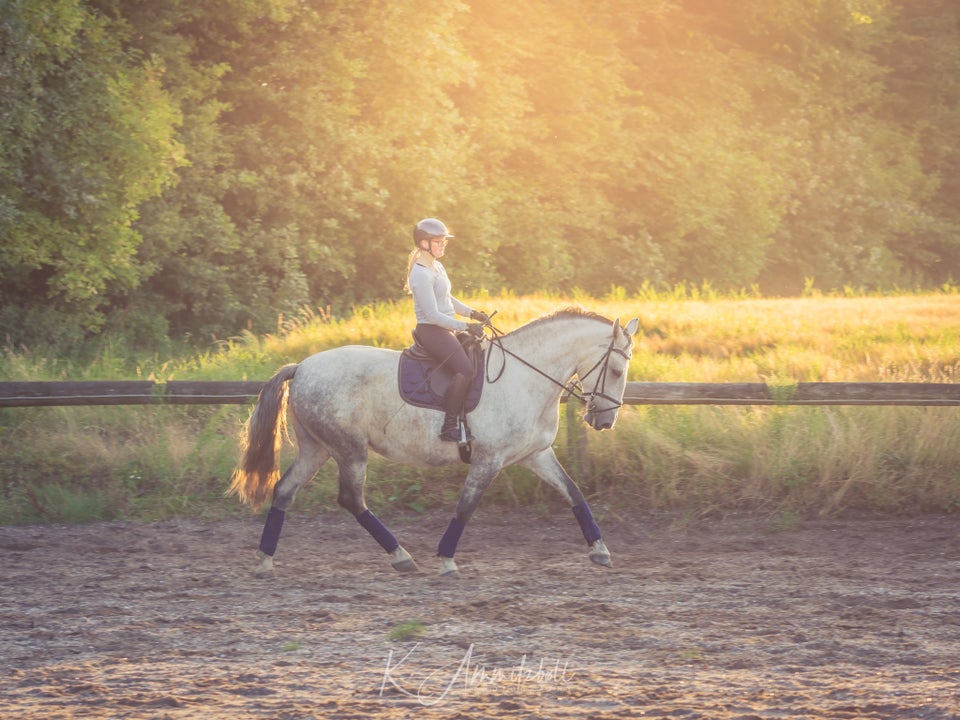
<point x="475" y="329"/>
<point x="479" y="316"/>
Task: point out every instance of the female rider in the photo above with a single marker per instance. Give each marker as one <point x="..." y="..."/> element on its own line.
<point x="436" y="310"/>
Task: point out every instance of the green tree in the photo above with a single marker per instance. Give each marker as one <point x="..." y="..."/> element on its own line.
<point x="852" y="187"/>
<point x="181" y="169"/>
<point x="701" y="185"/>
<point x="86" y="136"/>
<point x="923" y="101"/>
<point x="317" y="134"/>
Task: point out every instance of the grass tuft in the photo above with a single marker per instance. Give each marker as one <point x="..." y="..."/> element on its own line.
<point x="407" y="630"/>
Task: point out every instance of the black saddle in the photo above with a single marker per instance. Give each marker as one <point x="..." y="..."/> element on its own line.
<point x="423" y="382"/>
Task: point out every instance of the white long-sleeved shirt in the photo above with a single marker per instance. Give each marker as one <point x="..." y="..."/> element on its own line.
<point x="432" y="301"/>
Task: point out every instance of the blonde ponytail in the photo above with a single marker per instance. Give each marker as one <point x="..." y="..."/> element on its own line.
<point x="414" y="254"/>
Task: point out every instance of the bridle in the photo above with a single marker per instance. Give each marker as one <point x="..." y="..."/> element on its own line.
<point x="599" y="387"/>
<point x="574" y="388"/>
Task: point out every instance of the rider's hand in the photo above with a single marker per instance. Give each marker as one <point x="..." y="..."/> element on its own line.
<point x="475" y="329"/>
<point x="479" y="316"/>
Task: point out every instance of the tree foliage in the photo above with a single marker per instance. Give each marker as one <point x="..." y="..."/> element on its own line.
<point x="180" y="169"/>
<point x="87" y="135"/>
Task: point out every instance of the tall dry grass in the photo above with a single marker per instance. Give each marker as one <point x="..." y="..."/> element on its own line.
<point x="71" y="464"/>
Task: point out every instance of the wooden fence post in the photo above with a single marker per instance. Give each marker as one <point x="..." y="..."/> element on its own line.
<point x="577" y="442"/>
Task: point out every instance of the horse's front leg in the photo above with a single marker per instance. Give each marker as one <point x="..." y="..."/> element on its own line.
<point x="549" y="469"/>
<point x="478" y="480"/>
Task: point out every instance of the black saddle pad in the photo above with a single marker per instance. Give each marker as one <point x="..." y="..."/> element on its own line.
<point x="422" y="382"/>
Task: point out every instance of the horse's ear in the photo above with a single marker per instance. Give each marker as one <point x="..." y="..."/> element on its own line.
<point x="631" y="328"/>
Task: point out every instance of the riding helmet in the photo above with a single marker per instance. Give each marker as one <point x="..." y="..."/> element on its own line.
<point x="429" y="228"/>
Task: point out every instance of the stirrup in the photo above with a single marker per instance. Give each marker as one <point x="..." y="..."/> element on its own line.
<point x="458" y="433"/>
<point x="464" y="436"/>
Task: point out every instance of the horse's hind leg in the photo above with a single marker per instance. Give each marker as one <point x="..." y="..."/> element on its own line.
<point x="352" y="476"/>
<point x="310" y="457"/>
<point x="549" y="469"/>
<point x="477" y="482"/>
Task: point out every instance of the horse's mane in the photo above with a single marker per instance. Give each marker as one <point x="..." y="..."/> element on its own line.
<point x="566" y="313"/>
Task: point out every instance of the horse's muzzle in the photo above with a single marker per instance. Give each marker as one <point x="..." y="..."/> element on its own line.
<point x="601" y="421"/>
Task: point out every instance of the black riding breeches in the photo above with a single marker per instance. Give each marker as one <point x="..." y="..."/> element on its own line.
<point x="442" y="345"/>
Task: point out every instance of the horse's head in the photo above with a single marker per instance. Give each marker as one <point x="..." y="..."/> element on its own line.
<point x="609" y="378"/>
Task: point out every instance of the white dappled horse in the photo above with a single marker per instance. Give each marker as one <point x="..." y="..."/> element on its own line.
<point x="345" y="402"/>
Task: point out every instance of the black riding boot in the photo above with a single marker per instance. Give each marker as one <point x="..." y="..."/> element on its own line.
<point x="453" y="405"/>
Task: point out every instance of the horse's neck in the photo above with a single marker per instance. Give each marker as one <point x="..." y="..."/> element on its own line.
<point x="557" y="348"/>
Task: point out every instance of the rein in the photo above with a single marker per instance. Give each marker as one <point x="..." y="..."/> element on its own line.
<point x="574" y="388"/>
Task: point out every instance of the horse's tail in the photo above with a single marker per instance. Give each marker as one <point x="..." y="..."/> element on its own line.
<point x="260" y="442"/>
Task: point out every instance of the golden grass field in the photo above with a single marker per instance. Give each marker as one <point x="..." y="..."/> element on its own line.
<point x="155" y="462"/>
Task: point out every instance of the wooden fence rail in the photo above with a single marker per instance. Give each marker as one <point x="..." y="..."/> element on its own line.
<point x="136" y="392"/>
<point x="810" y="393"/>
<point x="182" y="392"/>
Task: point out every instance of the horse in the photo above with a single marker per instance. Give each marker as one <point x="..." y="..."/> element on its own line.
<point x="345" y="402"/>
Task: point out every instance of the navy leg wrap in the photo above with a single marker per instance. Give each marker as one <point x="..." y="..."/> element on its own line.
<point x="591" y="531"/>
<point x="372" y="525"/>
<point x="271" y="531"/>
<point x="448" y="543"/>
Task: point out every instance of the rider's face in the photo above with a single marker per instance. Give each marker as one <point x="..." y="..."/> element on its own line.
<point x="438" y="245"/>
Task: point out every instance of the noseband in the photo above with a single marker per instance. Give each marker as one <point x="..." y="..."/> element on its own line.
<point x="573" y="388"/>
<point x="599" y="386"/>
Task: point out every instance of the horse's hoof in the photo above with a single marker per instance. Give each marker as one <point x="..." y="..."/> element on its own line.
<point x="402" y="561"/>
<point x="448" y="568"/>
<point x="265" y="568"/>
<point x="600" y="555"/>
